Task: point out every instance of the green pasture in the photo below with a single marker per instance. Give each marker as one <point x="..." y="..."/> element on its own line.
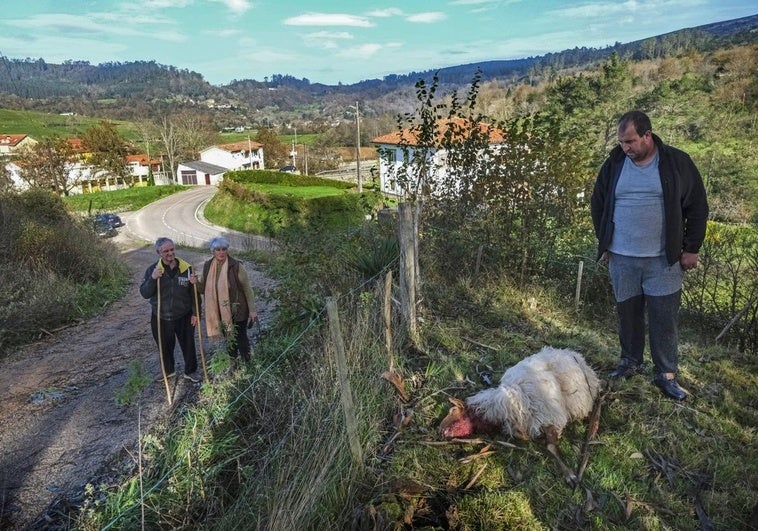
<point x="42" y="124"/>
<point x="126" y="200"/>
<point x="306" y="192"/>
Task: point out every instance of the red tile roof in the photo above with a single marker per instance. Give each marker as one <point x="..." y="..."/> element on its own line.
<point x="141" y="159"/>
<point x="462" y="126"/>
<point x="11" y="140"/>
<point x="76" y="145"/>
<point x="242" y="145"/>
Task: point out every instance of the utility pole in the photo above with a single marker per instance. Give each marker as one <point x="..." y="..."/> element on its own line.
<point x="358" y="148"/>
<point x="293" y="153"/>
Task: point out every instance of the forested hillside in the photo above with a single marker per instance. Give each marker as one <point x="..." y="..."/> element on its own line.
<point x="142" y="89"/>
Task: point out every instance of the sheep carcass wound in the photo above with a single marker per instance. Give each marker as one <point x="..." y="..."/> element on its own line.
<point x="537" y="396"/>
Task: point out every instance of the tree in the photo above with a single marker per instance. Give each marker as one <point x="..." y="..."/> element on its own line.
<point x="107" y="150"/>
<point x="6" y="183"/>
<point x="170" y="138"/>
<point x="275" y="152"/>
<point x="48" y="164"/>
<point x="196" y="132"/>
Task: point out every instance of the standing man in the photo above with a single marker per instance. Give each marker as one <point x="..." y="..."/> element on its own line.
<point x="649" y="210"/>
<point x="168" y="284"/>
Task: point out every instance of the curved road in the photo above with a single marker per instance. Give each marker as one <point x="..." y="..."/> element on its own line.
<point x="180" y="217"/>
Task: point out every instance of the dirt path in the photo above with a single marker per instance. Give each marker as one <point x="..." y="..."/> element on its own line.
<point x="59" y="423"/>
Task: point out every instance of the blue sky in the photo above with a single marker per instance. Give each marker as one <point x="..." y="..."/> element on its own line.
<point x="331" y="41"/>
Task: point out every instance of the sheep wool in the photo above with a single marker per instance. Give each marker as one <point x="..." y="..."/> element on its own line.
<point x="548" y="389"/>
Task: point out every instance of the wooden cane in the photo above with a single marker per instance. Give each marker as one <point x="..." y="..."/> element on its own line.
<point x="160" y="341"/>
<point x="199" y="332"/>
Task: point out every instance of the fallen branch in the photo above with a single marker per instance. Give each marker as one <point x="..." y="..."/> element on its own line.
<point x="592" y="426"/>
<point x="476" y="477"/>
<point x="474" y="457"/>
<point x="736" y="317"/>
<point x="480" y="344"/>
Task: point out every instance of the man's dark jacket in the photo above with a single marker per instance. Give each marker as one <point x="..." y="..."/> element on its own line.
<point x="684" y="201"/>
<point x="177" y="293"/>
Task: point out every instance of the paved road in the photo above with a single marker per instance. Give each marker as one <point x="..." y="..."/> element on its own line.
<point x="180" y="217"/>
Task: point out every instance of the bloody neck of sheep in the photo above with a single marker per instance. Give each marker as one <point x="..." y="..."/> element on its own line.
<point x="469" y="424"/>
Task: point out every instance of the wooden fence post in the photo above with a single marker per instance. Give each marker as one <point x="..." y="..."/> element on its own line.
<point x="346" y="393"/>
<point x="388" y="318"/>
<point x="408" y="268"/>
<point x="578" y="285"/>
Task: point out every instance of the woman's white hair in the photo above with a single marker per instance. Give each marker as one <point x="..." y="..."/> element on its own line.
<point x="219" y="241"/>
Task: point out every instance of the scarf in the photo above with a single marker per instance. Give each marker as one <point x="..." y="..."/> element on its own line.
<point x="217" y="305"/>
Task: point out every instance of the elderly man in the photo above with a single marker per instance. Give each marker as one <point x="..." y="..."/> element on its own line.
<point x="168" y="283"/>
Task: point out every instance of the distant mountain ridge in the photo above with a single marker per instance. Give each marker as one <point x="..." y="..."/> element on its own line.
<point x="146" y="88"/>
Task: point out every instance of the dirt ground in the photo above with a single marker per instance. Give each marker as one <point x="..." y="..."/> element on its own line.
<point x="60" y="427"/>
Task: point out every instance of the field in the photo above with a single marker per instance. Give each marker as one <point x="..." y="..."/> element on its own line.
<point x="41" y="124"/>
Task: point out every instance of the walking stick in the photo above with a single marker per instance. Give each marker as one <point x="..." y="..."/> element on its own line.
<point x="199" y="332"/>
<point x="160" y="340"/>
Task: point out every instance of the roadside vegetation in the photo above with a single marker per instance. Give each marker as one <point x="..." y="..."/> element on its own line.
<point x="55" y="269"/>
<point x="273" y="203"/>
<point x="273" y="444"/>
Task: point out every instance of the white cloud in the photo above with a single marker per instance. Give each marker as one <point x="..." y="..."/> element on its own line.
<point x="161" y="4"/>
<point x="388" y="12"/>
<point x="223" y="33"/>
<point x="427" y="18"/>
<point x="328" y="19"/>
<point x="94" y="25"/>
<point x="326" y="39"/>
<point x="607" y="9"/>
<point x="236" y="6"/>
<point x="359" y="52"/>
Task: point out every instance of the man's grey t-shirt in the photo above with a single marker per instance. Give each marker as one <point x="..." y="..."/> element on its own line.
<point x="638" y="216"/>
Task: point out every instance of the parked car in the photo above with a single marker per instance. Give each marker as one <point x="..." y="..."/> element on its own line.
<point x="288" y="169"/>
<point x="103" y="229"/>
<point x="111" y="219"/>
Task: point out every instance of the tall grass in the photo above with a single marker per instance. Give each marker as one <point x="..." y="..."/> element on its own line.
<point x="267" y="446"/>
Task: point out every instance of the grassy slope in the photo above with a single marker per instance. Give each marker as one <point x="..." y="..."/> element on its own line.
<point x="41" y="125"/>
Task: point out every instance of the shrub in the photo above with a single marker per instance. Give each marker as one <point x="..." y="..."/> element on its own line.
<point x="54" y="268"/>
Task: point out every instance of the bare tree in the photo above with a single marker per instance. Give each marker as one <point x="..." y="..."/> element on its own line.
<point x="170" y="138"/>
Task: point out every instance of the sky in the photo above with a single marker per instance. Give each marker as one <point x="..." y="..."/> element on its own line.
<point x="334" y="41"/>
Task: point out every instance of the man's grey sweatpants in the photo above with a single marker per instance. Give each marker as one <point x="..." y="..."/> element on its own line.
<point x="639" y="282"/>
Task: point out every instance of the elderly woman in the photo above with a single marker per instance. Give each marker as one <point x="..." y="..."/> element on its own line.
<point x="228" y="298"/>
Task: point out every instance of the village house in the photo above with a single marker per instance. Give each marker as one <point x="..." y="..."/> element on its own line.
<point x="141" y="167"/>
<point x="83" y="177"/>
<point x="397" y="150"/>
<point x="200" y="172"/>
<point x="243" y="155"/>
<point x="11" y="144"/>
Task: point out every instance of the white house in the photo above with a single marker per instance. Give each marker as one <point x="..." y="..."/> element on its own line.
<point x="11" y="144"/>
<point x="14" y="172"/>
<point x="199" y="172"/>
<point x="397" y="150"/>
<point x="243" y="155"/>
<point x="141" y="167"/>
